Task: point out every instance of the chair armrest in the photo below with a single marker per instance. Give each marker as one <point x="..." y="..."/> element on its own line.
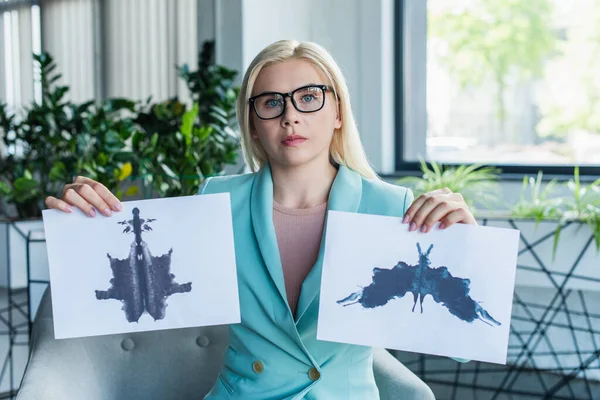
<point x="51" y="362"/>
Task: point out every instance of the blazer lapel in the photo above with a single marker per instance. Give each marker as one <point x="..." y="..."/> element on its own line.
<point x="261" y="209"/>
<point x="345" y="195"/>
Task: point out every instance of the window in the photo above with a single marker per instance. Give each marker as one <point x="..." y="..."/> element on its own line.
<point x="19" y="38"/>
<point x="504" y="82"/>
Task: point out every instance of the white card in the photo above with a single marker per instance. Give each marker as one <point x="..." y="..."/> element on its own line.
<point x="189" y="237"/>
<point x="464" y="278"/>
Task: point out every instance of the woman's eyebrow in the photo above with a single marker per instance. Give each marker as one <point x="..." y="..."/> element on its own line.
<point x="274" y="91"/>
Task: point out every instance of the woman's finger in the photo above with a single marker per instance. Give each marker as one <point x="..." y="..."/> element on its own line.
<point x="72" y="197"/>
<point x="461" y="215"/>
<point x="424" y="205"/>
<point x="443" y="209"/>
<point x="417" y="203"/>
<point x="106" y="195"/>
<point x="410" y="213"/>
<point x="92" y="197"/>
<point x="53" y="202"/>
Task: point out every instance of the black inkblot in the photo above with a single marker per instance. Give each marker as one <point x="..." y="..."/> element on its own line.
<point x="141" y="281"/>
<point x="421" y="280"/>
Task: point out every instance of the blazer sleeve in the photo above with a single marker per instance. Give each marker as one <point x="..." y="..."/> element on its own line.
<point x="408" y="199"/>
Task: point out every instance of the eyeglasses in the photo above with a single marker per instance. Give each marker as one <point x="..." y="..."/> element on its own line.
<point x="306" y="99"/>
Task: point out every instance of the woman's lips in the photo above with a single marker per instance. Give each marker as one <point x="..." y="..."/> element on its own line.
<point x="293" y="140"/>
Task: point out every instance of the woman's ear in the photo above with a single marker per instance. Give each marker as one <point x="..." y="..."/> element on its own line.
<point x="338" y="118"/>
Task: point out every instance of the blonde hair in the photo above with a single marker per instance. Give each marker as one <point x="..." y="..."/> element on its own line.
<point x="346" y="148"/>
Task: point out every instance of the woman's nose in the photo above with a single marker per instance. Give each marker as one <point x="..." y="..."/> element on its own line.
<point x="290" y="114"/>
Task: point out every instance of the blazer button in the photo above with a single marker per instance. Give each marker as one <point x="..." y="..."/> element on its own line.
<point x="257" y="367"/>
<point x="314" y="374"/>
<point x="127" y="344"/>
<point x="202" y="341"/>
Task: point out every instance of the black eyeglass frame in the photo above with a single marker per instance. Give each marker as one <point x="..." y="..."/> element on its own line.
<point x="324" y="88"/>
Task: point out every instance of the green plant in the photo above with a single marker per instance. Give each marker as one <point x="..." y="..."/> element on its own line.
<point x="16" y="185"/>
<point x="177" y="147"/>
<point x="212" y="88"/>
<point x="34" y="141"/>
<point x="539" y="204"/>
<point x="102" y="151"/>
<point x="583" y="205"/>
<point x="55" y="139"/>
<point x="583" y="196"/>
<point x="24" y="193"/>
<point x="477" y="184"/>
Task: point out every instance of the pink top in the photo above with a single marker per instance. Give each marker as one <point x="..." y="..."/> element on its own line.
<point x="299" y="234"/>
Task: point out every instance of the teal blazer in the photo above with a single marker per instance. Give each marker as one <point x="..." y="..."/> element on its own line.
<point x="271" y="354"/>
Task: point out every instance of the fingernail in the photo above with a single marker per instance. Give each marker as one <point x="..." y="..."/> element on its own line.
<point x="68" y="209"/>
<point x="412" y="227"/>
<point x="92" y="213"/>
<point x="118" y="207"/>
<point x="442" y="225"/>
<point x="107" y="212"/>
<point x="406" y="219"/>
<point x="424" y="228"/>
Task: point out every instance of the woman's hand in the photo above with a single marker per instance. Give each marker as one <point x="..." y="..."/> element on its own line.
<point x="87" y="195"/>
<point x="438" y="206"/>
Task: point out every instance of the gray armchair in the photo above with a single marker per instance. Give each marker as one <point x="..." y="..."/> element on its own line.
<point x="169" y="364"/>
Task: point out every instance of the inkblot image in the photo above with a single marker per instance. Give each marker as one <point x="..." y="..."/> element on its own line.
<point x="141" y="282"/>
<point x="421" y="280"/>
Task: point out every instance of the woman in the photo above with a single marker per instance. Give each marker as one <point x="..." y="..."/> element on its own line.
<point x="300" y="140"/>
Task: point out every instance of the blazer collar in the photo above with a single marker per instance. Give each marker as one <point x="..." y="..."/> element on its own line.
<point x="345" y="195"/>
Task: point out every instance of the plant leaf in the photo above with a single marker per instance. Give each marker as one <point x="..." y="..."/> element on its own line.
<point x="125" y="171"/>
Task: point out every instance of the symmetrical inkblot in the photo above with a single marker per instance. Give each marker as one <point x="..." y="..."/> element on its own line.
<point x="141" y="281"/>
<point x="421" y="280"/>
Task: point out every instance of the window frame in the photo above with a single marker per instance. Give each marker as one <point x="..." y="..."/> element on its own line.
<point x="403" y="117"/>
